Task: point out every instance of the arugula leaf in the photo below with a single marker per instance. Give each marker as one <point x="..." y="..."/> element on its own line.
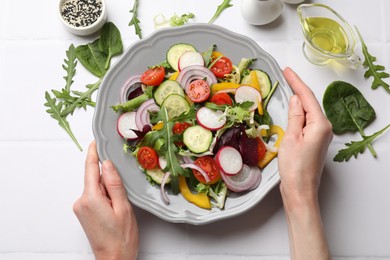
<point x="375" y="71"/>
<point x="82" y="100"/>
<point x="207" y="54"/>
<point x="110" y="42"/>
<point x="354" y="148"/>
<point x="225" y="4"/>
<point x="93" y="58"/>
<point x="134" y="19"/>
<point x="70" y="66"/>
<point x="172" y="163"/>
<point x="54" y="109"/>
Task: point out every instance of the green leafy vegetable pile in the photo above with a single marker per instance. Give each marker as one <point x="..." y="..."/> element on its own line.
<point x="96" y="58"/>
<point x="349" y="111"/>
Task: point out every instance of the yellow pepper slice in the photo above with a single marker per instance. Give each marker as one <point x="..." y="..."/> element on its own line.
<point x="201" y="200"/>
<point x="174" y="76"/>
<point x="223" y="86"/>
<point x="256" y="85"/>
<point x="216" y="54"/>
<point x="274" y="130"/>
<point x="158" y="126"/>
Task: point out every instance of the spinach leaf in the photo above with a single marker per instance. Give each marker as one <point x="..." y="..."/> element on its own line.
<point x="348" y="111"/>
<point x="110" y="42"/>
<point x="93" y="58"/>
<point x="346" y="108"/>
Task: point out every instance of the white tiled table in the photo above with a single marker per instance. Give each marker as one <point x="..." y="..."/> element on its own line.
<point x="42" y="170"/>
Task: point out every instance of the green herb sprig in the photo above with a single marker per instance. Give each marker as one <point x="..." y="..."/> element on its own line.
<point x="375" y="71"/>
<point x="96" y="58"/>
<point x="134" y="20"/>
<point x="224" y="5"/>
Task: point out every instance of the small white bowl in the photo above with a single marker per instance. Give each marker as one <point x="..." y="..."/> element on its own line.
<point x="88" y="29"/>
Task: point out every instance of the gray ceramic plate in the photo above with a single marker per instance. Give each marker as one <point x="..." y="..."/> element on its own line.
<point x="150" y="51"/>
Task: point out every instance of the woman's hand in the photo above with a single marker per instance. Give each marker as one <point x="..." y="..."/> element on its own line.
<point x="105" y="212"/>
<point x="301" y="160"/>
<point x="305" y="144"/>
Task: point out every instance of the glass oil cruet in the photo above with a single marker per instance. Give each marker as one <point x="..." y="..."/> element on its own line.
<point x="328" y="37"/>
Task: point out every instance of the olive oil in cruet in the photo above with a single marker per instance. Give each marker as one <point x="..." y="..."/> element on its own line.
<point x="326" y="34"/>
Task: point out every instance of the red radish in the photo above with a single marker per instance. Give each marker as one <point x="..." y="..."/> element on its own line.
<point x="247" y="93"/>
<point x="162" y="162"/>
<point x="126" y="124"/>
<point x="190" y="58"/>
<point x="229" y="160"/>
<point x="210" y="119"/>
<point x="246" y="179"/>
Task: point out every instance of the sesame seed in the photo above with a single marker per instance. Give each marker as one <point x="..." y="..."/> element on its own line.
<point x="81" y="13"/>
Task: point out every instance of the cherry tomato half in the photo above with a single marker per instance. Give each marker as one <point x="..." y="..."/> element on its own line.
<point x="198" y="90"/>
<point x="147" y="157"/>
<point x="153" y="77"/>
<point x="222" y="67"/>
<point x="209" y="165"/>
<point x="261" y="150"/>
<point x="178" y="128"/>
<point x="221" y="98"/>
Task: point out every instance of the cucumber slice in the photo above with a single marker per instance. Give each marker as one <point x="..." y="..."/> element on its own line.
<point x="197" y="138"/>
<point x="175" y="51"/>
<point x="165" y="89"/>
<point x="157" y="175"/>
<point x="175" y="105"/>
<point x="264" y="81"/>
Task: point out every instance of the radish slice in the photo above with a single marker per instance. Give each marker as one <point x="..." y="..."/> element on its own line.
<point x="162" y="162"/>
<point x="142" y="116"/>
<point x="229" y="160"/>
<point x="247" y="93"/>
<point x="126" y="124"/>
<point x="197" y="168"/>
<point x="210" y="119"/>
<point x="190" y="58"/>
<point x="246" y="179"/>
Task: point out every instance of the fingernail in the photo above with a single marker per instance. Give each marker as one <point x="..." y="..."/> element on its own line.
<point x="107" y="165"/>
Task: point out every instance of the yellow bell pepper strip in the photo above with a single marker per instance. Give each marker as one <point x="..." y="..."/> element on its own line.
<point x="216" y="54"/>
<point x="274" y="130"/>
<point x="201" y="200"/>
<point x="174" y="76"/>
<point x="256" y="85"/>
<point x="223" y="86"/>
<point x="158" y="126"/>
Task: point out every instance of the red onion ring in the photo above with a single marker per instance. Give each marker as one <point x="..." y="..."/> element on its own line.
<point x="164" y="196"/>
<point x="142" y="116"/>
<point x="191" y="73"/>
<point x="197" y="168"/>
<point x="188" y="159"/>
<point x="128" y="86"/>
<point x="246" y="179"/>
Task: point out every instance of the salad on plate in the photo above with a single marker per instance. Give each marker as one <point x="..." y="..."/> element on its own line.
<point x="199" y="124"/>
